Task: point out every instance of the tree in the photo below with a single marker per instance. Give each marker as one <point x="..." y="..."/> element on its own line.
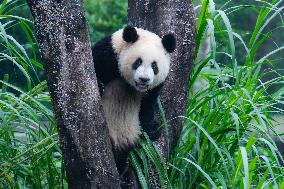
<point x="161" y="17"/>
<point x="66" y="54"/>
<point x="65" y="50"/>
<point x="178" y="17"/>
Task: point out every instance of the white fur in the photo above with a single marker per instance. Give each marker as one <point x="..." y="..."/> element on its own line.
<point x="144" y="71"/>
<point x="122" y="108"/>
<point x="149" y="48"/>
<point x="122" y="114"/>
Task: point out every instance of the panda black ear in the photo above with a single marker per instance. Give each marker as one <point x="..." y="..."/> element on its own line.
<point x="130" y="34"/>
<point x="169" y="42"/>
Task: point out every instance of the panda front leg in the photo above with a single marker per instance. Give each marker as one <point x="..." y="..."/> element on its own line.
<point x="128" y="177"/>
<point x="121" y="162"/>
<point x="147" y="114"/>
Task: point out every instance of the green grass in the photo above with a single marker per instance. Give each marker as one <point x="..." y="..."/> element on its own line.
<point x="105" y="17"/>
<point x="227" y="137"/>
<point x="29" y="152"/>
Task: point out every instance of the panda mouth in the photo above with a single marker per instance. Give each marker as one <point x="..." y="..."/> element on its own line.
<point x="141" y="86"/>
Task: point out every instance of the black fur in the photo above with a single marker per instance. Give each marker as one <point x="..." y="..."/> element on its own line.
<point x="106" y="68"/>
<point x="146" y="114"/>
<point x="105" y="62"/>
<point x="130" y="34"/>
<point x="120" y="157"/>
<point x="169" y="42"/>
<point x="155" y="67"/>
<point x="136" y="64"/>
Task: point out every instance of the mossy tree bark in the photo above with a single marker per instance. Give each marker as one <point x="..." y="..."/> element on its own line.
<point x="161" y="17"/>
<point x="66" y="54"/>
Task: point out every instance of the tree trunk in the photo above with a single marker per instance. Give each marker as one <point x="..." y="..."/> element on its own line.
<point x="161" y="17"/>
<point x="65" y="51"/>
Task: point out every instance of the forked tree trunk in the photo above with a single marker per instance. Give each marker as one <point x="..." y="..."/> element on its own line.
<point x="161" y="17"/>
<point x="66" y="54"/>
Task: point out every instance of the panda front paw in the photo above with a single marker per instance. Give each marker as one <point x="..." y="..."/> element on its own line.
<point x="155" y="132"/>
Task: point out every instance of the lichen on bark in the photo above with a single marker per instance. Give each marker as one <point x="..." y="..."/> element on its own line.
<point x="177" y="17"/>
<point x="162" y="17"/>
<point x="65" y="50"/>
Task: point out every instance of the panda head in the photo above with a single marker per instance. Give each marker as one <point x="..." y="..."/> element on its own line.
<point x="143" y="57"/>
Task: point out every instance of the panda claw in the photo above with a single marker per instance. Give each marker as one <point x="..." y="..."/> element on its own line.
<point x="154" y="136"/>
<point x="155" y="133"/>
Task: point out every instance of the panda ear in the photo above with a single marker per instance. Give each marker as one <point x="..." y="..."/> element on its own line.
<point x="130" y="34"/>
<point x="169" y="42"/>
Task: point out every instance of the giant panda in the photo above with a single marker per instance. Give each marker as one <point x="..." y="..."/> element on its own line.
<point x="131" y="66"/>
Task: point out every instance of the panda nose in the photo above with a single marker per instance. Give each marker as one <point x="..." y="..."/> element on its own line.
<point x="143" y="79"/>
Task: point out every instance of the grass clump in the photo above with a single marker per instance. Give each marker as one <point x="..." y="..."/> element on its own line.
<point x="29" y="152"/>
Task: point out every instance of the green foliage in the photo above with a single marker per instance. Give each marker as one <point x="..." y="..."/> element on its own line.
<point x="30" y="156"/>
<point x="18" y="53"/>
<point x="29" y="152"/>
<point x="105" y="16"/>
<point x="227" y="139"/>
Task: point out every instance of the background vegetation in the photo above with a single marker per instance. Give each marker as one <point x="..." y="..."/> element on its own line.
<point x="228" y="137"/>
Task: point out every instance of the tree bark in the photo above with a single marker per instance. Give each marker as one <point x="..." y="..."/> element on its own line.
<point x="162" y="17"/>
<point x="66" y="54"/>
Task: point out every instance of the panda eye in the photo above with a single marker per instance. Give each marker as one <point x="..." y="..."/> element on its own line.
<point x="155" y="67"/>
<point x="137" y="63"/>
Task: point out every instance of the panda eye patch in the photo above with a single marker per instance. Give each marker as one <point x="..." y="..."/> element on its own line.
<point x="137" y="63"/>
<point x="155" y="67"/>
